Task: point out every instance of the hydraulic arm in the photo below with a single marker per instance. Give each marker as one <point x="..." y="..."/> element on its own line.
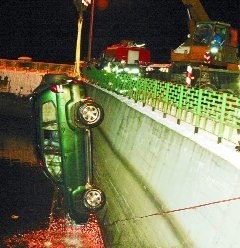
<point x="196" y="13"/>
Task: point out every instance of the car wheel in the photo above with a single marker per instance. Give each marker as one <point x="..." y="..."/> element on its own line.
<point x="94" y="199"/>
<point x="90" y="114"/>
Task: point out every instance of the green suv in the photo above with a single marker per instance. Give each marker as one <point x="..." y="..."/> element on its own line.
<point x="64" y="118"/>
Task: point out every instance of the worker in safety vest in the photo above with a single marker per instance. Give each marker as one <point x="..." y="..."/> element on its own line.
<point x="217" y="40"/>
<point x="216" y="45"/>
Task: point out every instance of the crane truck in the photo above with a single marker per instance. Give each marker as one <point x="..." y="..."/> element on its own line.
<point x="208" y="58"/>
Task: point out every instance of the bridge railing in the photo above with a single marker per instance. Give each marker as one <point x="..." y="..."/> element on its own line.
<point x="22" y="77"/>
<point x="37" y="67"/>
<point x="214" y="112"/>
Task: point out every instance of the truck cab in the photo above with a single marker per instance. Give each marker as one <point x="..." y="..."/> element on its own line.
<point x="127" y="53"/>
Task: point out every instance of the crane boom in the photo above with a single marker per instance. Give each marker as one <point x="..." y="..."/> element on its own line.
<point x="211" y="43"/>
<point x="196" y="13"/>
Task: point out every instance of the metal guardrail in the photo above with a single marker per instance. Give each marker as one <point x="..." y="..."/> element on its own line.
<point x="215" y="112"/>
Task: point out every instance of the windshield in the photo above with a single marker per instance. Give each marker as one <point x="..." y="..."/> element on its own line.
<point x="203" y="33"/>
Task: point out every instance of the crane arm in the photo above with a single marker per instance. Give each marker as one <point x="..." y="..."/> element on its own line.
<point x="196" y="13"/>
<point x="196" y="10"/>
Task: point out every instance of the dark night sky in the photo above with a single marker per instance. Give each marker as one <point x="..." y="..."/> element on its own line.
<point x="46" y="29"/>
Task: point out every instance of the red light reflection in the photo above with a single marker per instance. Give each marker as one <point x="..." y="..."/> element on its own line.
<point x="102" y="4"/>
<point x="61" y="234"/>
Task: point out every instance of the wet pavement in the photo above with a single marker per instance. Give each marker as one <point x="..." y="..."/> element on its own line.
<point x="28" y="198"/>
<point x="25" y="192"/>
<point x="25" y="200"/>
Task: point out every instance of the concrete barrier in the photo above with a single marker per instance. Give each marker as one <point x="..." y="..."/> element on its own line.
<point x="165" y="186"/>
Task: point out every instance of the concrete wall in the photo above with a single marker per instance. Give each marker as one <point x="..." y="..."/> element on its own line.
<point x="19" y="82"/>
<point x="147" y="164"/>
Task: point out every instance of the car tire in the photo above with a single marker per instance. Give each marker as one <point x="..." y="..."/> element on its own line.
<point x="94" y="199"/>
<point x="90" y="114"/>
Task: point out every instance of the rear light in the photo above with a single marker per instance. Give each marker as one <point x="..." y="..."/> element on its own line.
<point x="73" y="81"/>
<point x="58" y="88"/>
<point x="40" y="163"/>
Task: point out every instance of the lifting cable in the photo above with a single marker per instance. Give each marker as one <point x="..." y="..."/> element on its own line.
<point x="174" y="210"/>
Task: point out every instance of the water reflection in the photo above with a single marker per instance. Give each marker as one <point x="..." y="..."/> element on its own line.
<point x="31" y="209"/>
<point x="26" y="193"/>
<point x="17" y="141"/>
<point x="61" y="234"/>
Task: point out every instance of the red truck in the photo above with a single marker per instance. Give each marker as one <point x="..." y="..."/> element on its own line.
<point x="128" y="52"/>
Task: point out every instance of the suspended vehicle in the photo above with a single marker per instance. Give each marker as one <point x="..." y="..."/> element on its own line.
<point x="64" y="118"/>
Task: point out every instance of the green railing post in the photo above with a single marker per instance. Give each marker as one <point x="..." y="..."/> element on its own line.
<point x="144" y="92"/>
<point x="154" y="96"/>
<point x="221" y="124"/>
<point x="129" y="90"/>
<point x="198" y="112"/>
<point x="136" y="92"/>
<point x="179" y="106"/>
<point x="165" y="101"/>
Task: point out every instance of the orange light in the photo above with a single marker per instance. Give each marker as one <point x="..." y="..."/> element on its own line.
<point x="15" y="217"/>
<point x="102" y="4"/>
